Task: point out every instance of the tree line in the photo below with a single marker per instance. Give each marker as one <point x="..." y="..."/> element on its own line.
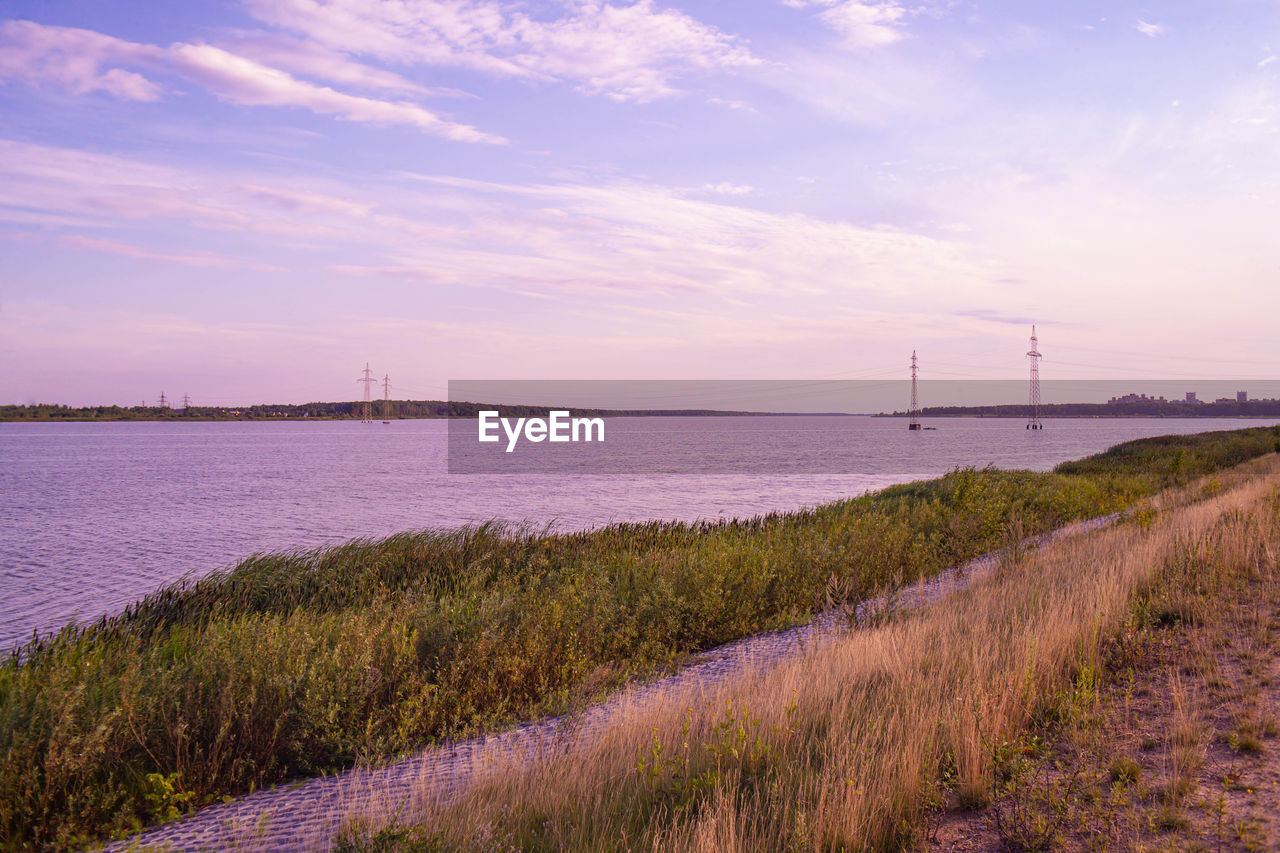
<point x="399" y="409"/>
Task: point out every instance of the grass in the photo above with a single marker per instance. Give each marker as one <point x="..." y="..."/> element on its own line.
<point x="301" y="663"/>
<point x="1175" y="755"/>
<point x="862" y="742"/>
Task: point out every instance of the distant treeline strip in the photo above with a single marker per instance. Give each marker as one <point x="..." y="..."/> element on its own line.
<point x="1135" y="409"/>
<point x="400" y="409"/>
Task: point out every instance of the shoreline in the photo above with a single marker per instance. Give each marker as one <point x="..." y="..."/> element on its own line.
<point x="899" y="415"/>
<point x="311" y="659"/>
<point x="315" y="809"/>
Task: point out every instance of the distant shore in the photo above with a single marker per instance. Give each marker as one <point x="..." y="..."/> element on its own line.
<point x="1123" y="409"/>
<point x="395" y="410"/>
<point x="445" y="410"/>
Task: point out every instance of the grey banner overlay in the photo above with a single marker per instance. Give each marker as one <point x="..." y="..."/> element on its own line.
<point x="774" y="427"/>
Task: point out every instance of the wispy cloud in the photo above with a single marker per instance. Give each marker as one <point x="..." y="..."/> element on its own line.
<point x="860" y="23"/>
<point x="243" y="81"/>
<point x="73" y="59"/>
<point x="317" y="62"/>
<point x="632" y="52"/>
<point x="88" y="190"/>
<point x="1265" y="62"/>
<point x="197" y="259"/>
<point x="999" y="317"/>
<point x="865" y="25"/>
<point x="726" y="188"/>
<point x="640" y="238"/>
<point x="83" y="61"/>
<point x="622" y="238"/>
<point x="1148" y="29"/>
<point x="733" y="104"/>
<point x="871" y="87"/>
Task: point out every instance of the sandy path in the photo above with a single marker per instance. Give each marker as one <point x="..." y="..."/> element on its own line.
<point x="307" y="815"/>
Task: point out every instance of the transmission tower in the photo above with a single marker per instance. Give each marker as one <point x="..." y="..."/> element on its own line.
<point x="164" y="404"/>
<point x="386" y="398"/>
<point x="1033" y="420"/>
<point x="186" y="401"/>
<point x="914" y="410"/>
<point x="366" y="410"/>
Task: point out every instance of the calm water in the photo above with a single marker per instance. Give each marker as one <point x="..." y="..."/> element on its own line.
<point x="94" y="516"/>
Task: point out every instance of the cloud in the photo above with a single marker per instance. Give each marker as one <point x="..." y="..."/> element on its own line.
<point x="308" y="202"/>
<point x="863" y="24"/>
<point x="602" y="245"/>
<point x="198" y="259"/>
<point x="726" y="188"/>
<point x="243" y="81"/>
<point x="860" y="23"/>
<point x="999" y="317"/>
<point x="82" y="338"/>
<point x="635" y="238"/>
<point x="1150" y="30"/>
<point x="317" y="62"/>
<point x="872" y="87"/>
<point x="733" y="104"/>
<point x="84" y="190"/>
<point x="630" y="52"/>
<point x="1270" y="59"/>
<point x="74" y="59"/>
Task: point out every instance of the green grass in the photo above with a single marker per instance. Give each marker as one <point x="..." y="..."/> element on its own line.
<point x="293" y="664"/>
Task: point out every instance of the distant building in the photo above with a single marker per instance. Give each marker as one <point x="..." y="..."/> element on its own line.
<point x="1136" y="398"/>
<point x="1191" y="397"/>
<point x="1242" y="396"/>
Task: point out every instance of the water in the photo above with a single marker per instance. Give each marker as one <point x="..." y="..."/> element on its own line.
<point x="95" y="516"/>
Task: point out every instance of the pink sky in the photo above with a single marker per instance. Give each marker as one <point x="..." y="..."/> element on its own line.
<point x="248" y="201"/>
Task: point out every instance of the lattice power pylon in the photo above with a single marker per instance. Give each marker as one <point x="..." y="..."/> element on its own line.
<point x="386" y="398"/>
<point x="1033" y="418"/>
<point x="366" y="410"/>
<point x="914" y="411"/>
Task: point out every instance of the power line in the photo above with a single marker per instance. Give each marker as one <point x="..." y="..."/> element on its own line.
<point x="914" y="411"/>
<point x="1033" y="422"/>
<point x="366" y="410"/>
<point x="1164" y="355"/>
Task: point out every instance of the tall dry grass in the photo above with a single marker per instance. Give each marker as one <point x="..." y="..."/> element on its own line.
<point x="851" y="745"/>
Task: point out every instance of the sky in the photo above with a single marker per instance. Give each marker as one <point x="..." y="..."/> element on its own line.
<point x="248" y="200"/>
